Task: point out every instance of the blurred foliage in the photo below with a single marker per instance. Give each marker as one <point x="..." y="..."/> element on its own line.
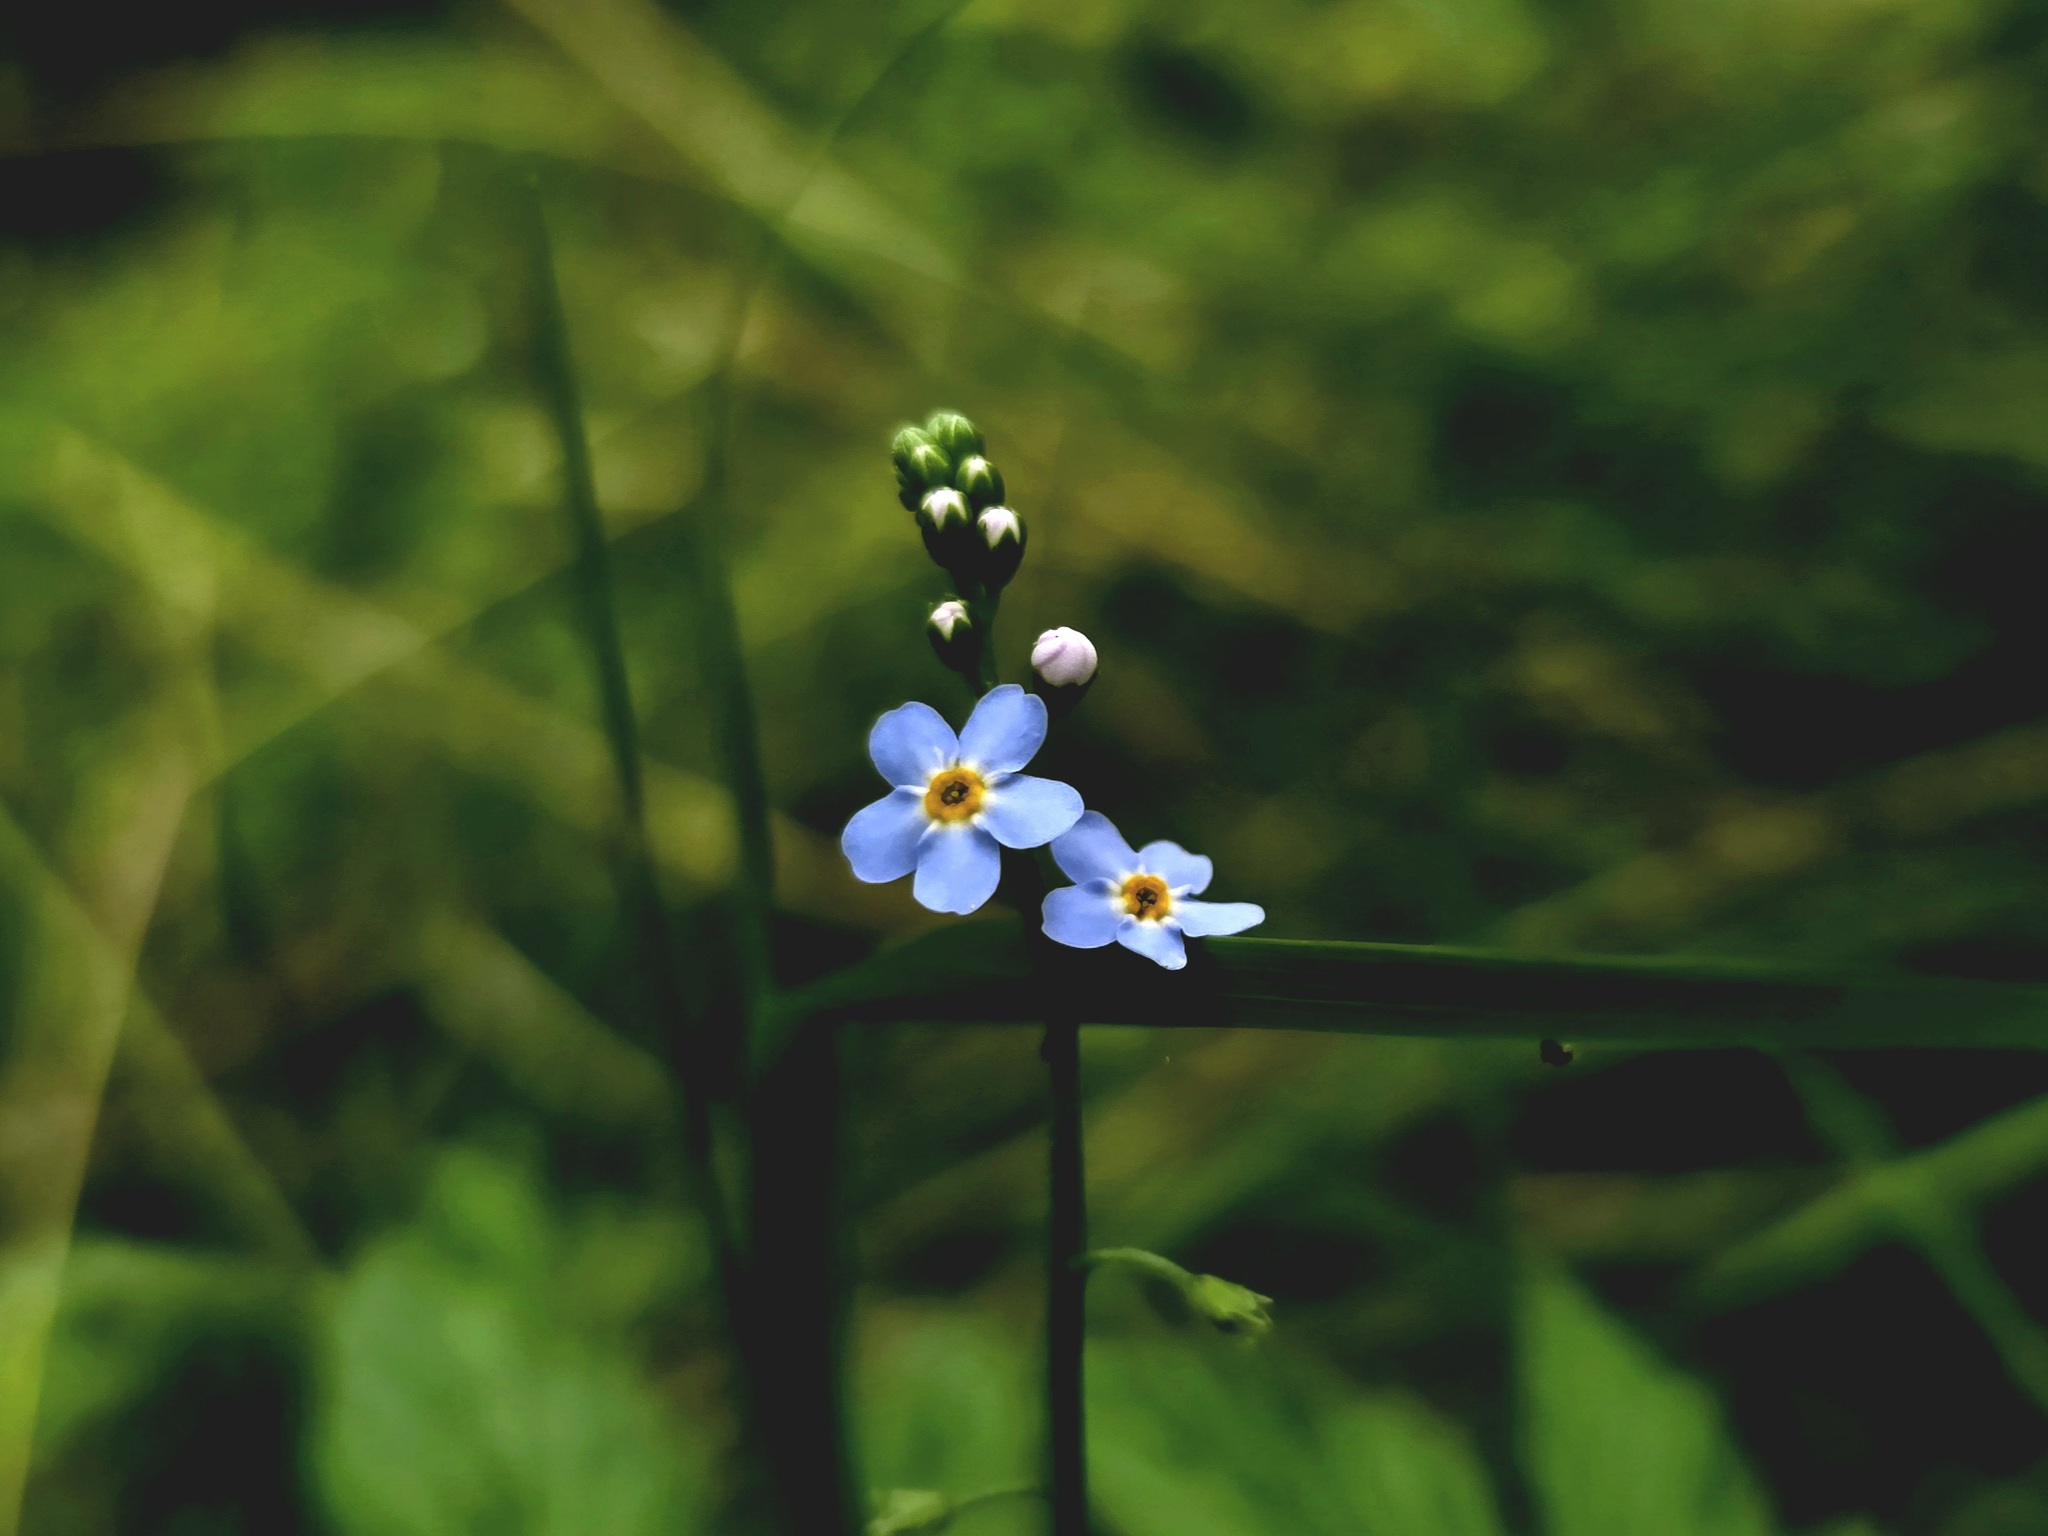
<point x="1565" y="476"/>
<point x="466" y="1392"/>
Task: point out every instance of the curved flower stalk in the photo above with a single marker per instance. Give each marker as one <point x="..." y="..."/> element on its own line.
<point x="1142" y="900"/>
<point x="956" y="798"/>
<point x="1224" y="1305"/>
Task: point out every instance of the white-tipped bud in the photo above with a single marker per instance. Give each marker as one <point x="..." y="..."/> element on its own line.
<point x="1000" y="523"/>
<point x="948" y="529"/>
<point x="955" y="640"/>
<point x="1002" y="534"/>
<point x="945" y="506"/>
<point x="1064" y="658"/>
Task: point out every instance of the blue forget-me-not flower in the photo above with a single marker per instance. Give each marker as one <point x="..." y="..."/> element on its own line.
<point x="1142" y="900"/>
<point x="955" y="798"/>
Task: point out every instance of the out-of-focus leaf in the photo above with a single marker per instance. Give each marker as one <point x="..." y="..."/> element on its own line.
<point x="943" y="1404"/>
<point x="461" y="1395"/>
<point x="1618" y="1442"/>
<point x="1186" y="1437"/>
<point x="1219" y="1441"/>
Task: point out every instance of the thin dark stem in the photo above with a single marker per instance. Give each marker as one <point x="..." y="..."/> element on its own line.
<point x="1066" y="1285"/>
<point x="1066" y="1276"/>
<point x="555" y="374"/>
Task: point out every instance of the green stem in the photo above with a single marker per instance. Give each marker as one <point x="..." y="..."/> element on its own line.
<point x="1155" y="1265"/>
<point x="981" y="610"/>
<point x="1922" y="1212"/>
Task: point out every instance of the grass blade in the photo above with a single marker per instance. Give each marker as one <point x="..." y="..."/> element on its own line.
<point x="979" y="972"/>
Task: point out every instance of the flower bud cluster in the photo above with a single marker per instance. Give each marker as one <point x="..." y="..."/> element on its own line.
<point x="948" y="483"/>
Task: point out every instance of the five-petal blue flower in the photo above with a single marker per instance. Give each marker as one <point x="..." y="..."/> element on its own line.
<point x="1141" y="899"/>
<point x="956" y="798"/>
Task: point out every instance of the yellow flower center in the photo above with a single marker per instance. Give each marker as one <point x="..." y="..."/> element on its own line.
<point x="1147" y="898"/>
<point x="953" y="795"/>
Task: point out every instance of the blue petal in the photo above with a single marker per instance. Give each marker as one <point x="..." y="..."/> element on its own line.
<point x="1026" y="812"/>
<point x="911" y="743"/>
<point x="1157" y="940"/>
<point x="1083" y="916"/>
<point x="1092" y="849"/>
<point x="881" y="840"/>
<point x="1007" y="726"/>
<point x="957" y="868"/>
<point x="1203" y="919"/>
<point x="1184" y="871"/>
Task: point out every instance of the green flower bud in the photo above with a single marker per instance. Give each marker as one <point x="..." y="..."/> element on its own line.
<point x="948" y="529"/>
<point x="980" y="481"/>
<point x="955" y="640"/>
<point x="925" y="469"/>
<point x="932" y="465"/>
<point x="955" y="434"/>
<point x="906" y="441"/>
<point x="1231" y="1307"/>
<point x="1002" y="540"/>
<point x="910" y="1512"/>
<point x="914" y="476"/>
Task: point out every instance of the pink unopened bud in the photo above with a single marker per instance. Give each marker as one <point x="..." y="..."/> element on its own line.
<point x="1064" y="658"/>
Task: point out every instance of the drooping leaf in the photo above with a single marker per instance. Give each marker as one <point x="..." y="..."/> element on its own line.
<point x="1617" y="1441"/>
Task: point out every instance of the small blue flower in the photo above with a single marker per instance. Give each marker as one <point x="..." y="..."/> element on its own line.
<point x="1140" y="899"/>
<point x="956" y="797"/>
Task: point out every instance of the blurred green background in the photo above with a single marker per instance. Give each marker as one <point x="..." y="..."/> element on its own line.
<point x="1565" y="475"/>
